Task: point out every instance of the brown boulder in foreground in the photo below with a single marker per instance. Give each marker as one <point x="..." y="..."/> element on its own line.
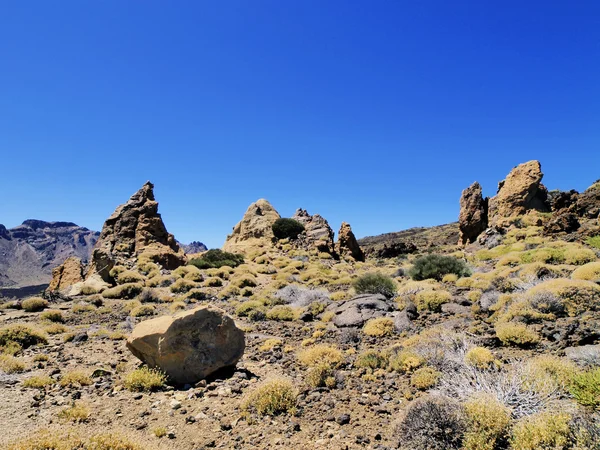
<point x="189" y="345"/>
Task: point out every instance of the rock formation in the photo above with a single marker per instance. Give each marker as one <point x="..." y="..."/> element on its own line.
<point x="317" y="232"/>
<point x="347" y="245"/>
<point x="193" y="247"/>
<point x="67" y="274"/>
<point x="254" y="229"/>
<point x="521" y="191"/>
<point x="572" y="211"/>
<point x="30" y="251"/>
<point x="190" y="345"/>
<point x="355" y="312"/>
<point x="134" y="228"/>
<point x="473" y="217"/>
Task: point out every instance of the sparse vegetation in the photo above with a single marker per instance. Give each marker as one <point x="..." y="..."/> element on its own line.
<point x="75" y="378"/>
<point x="436" y="266"/>
<point x="276" y="396"/>
<point x="430" y="300"/>
<point x="380" y="326"/>
<point x="23" y="335"/>
<point x="34" y="304"/>
<point x="145" y="379"/>
<point x="128" y="290"/>
<point x="216" y="258"/>
<point x="375" y="283"/>
<point x="52" y="316"/>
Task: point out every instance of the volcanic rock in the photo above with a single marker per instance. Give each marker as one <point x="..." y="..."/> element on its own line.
<point x="317" y="232"/>
<point x="355" y="312"/>
<point x="135" y="227"/>
<point x="255" y="228"/>
<point x="67" y="274"/>
<point x="190" y="345"/>
<point x="347" y="245"/>
<point x="473" y="217"/>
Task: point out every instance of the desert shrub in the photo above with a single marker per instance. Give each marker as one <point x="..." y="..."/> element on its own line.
<point x="79" y="308"/>
<point x="46" y="440"/>
<point x="10" y="364"/>
<point x="321" y="353"/>
<point x="11" y="348"/>
<point x="479" y="357"/>
<point x="585" y="388"/>
<point x="75" y="378"/>
<point x="405" y="361"/>
<point x="578" y="296"/>
<point x="52" y="315"/>
<point x="88" y="289"/>
<point x="431" y="423"/>
<point x="129" y="290"/>
<point x="34" y="304"/>
<point x="55" y="328"/>
<point x="487" y="422"/>
<point x="561" y="370"/>
<point x="129" y="276"/>
<point x="579" y="256"/>
<point x="270" y="344"/>
<point x="287" y="228"/>
<point x="148" y="295"/>
<point x="243" y="281"/>
<point x="145" y="379"/>
<point x="375" y="283"/>
<point x="23" y="335"/>
<point x="372" y="359"/>
<point x="379" y="326"/>
<point x="182" y="285"/>
<point x="436" y="266"/>
<point x="450" y="278"/>
<point x="176" y="306"/>
<point x="213" y="282"/>
<point x="38" y="382"/>
<point x="589" y="271"/>
<point x="160" y="281"/>
<point x="246" y="308"/>
<point x="321" y="375"/>
<point x="516" y="333"/>
<point x="282" y="313"/>
<point x="547" y="430"/>
<point x="276" y="396"/>
<point x="77" y="412"/>
<point x="142" y="311"/>
<point x="593" y="241"/>
<point x="424" y="378"/>
<point x="216" y="258"/>
<point x="431" y="300"/>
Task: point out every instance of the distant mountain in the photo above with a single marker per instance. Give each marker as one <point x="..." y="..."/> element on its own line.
<point x="193" y="247"/>
<point x="30" y="251"/>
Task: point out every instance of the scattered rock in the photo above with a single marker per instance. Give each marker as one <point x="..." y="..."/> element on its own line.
<point x="190" y="345"/>
<point x="355" y="312"/>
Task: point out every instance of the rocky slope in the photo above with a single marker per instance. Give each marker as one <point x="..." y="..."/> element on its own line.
<point x="30" y="251"/>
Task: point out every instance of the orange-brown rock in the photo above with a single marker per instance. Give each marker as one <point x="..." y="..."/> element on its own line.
<point x="255" y="228"/>
<point x="473" y="217"/>
<point x="189" y="345"/>
<point x="135" y="227"/>
<point x="317" y="233"/>
<point x="347" y="244"/>
<point x="67" y="274"/>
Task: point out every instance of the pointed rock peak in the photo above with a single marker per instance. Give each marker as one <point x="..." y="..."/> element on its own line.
<point x="4" y="232"/>
<point x="144" y="194"/>
<point x="347" y="244"/>
<point x="473" y="217"/>
<point x="260" y="207"/>
<point x="254" y="229"/>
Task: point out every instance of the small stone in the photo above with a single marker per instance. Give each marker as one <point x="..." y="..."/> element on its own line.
<point x="175" y="404"/>
<point x="343" y="419"/>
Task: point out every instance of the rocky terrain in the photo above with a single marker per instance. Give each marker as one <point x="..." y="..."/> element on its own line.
<point x="483" y="334"/>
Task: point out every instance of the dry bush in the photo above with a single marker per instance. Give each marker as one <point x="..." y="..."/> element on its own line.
<point x="145" y="379"/>
<point x="424" y="378"/>
<point x="372" y="359"/>
<point x="143" y="311"/>
<point x="518" y="334"/>
<point x="585" y="388"/>
<point x="34" y="304"/>
<point x="23" y="335"/>
<point x="52" y="315"/>
<point x="275" y="396"/>
<point x="82" y="308"/>
<point x="547" y="430"/>
<point x="75" y="378"/>
<point x="129" y="276"/>
<point x="78" y="412"/>
<point x="321" y="375"/>
<point x="590" y="272"/>
<point x="128" y="290"/>
<point x="270" y="344"/>
<point x="578" y="296"/>
<point x="432" y="300"/>
<point x="405" y="361"/>
<point x="282" y="313"/>
<point x="10" y="364"/>
<point x="379" y="326"/>
<point x="56" y="328"/>
<point x="480" y="357"/>
<point x="71" y="440"/>
<point x="431" y="423"/>
<point x="38" y="382"/>
<point x="148" y="295"/>
<point x="321" y="353"/>
<point x="182" y="285"/>
<point x="299" y="296"/>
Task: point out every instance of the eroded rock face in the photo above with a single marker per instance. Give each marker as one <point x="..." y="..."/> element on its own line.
<point x="135" y="227"/>
<point x="473" y="217"/>
<point x="347" y="244"/>
<point x="67" y="274"/>
<point x="254" y="229"/>
<point x="317" y="232"/>
<point x="521" y="191"/>
<point x="190" y="345"/>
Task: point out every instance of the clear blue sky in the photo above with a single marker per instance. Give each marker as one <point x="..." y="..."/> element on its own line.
<point x="374" y="112"/>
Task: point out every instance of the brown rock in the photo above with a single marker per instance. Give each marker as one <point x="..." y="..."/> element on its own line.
<point x="473" y="217"/>
<point x="254" y="229"/>
<point x="189" y="345"/>
<point x="521" y="191"/>
<point x="317" y="232"/>
<point x="347" y="244"/>
<point x="67" y="274"/>
<point x="588" y="202"/>
<point x="135" y="227"/>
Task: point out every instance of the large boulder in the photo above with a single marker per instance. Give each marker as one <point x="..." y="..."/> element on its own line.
<point x="190" y="345"/>
<point x="317" y="233"/>
<point x="355" y="312"/>
<point x="473" y="217"/>
<point x="255" y="228"/>
<point x="521" y="191"/>
<point x="67" y="274"/>
<point x="134" y="228"/>
<point x="347" y="244"/>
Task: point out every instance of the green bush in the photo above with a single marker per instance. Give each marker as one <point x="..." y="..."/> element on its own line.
<point x="128" y="290"/>
<point x="436" y="266"/>
<point x="585" y="387"/>
<point x="593" y="241"/>
<point x="375" y="283"/>
<point x="287" y="228"/>
<point x="215" y="258"/>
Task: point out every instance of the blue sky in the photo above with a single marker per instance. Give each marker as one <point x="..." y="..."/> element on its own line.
<point x="374" y="112"/>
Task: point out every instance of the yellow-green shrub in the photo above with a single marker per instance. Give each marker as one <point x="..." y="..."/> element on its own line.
<point x="578" y="295"/>
<point x="282" y="313"/>
<point x="182" y="285"/>
<point x="78" y="412"/>
<point x="34" y="304"/>
<point x="321" y="353"/>
<point x="431" y="300"/>
<point x="379" y="326"/>
<point x="270" y="344"/>
<point x="145" y="379"/>
<point x="38" y="382"/>
<point x="128" y="290"/>
<point x="276" y="396"/>
<point x="547" y="430"/>
<point x="372" y="359"/>
<point x="75" y="378"/>
<point x="10" y="364"/>
<point x="590" y="271"/>
<point x="479" y="357"/>
<point x="516" y="333"/>
<point x="129" y="276"/>
<point x="405" y="361"/>
<point x="52" y="315"/>
<point x="488" y="422"/>
<point x="585" y="387"/>
<point x="23" y="335"/>
<point x="424" y="378"/>
<point x="142" y="310"/>
<point x="321" y="375"/>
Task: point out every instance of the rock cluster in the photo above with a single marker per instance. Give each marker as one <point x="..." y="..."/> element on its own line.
<point x="255" y="228"/>
<point x="572" y="211"/>
<point x="317" y="232"/>
<point x="473" y="217"/>
<point x="347" y="244"/>
<point x="135" y="227"/>
<point x="190" y="345"/>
